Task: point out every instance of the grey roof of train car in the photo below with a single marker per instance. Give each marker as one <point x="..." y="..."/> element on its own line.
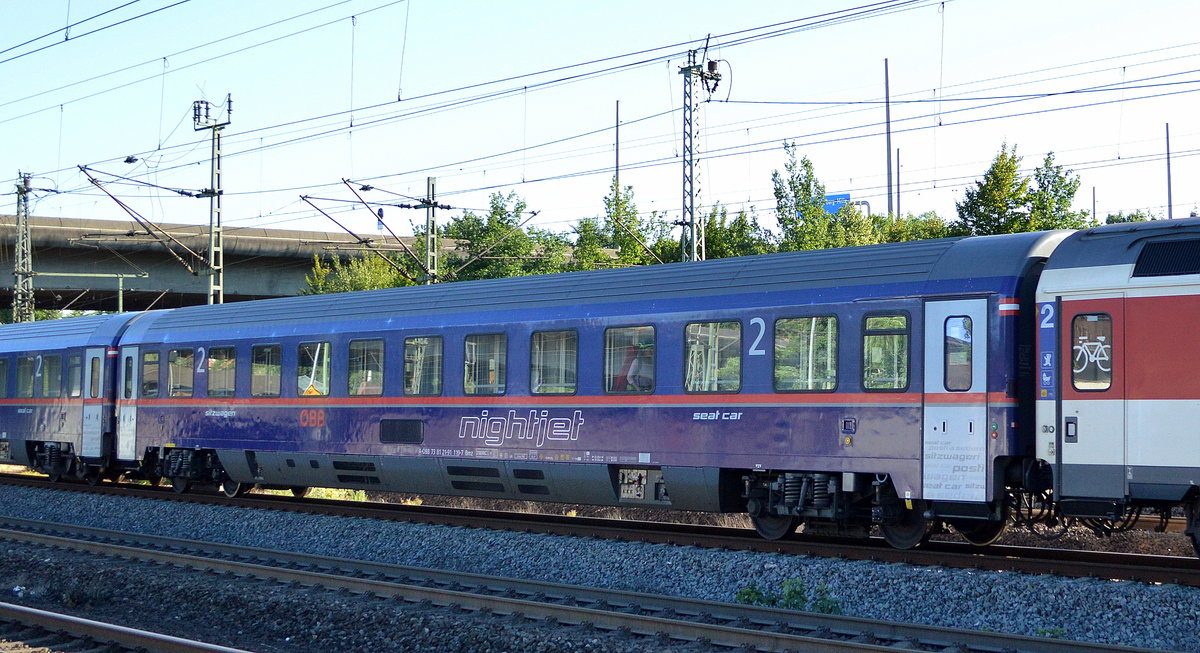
<point x="1116" y="244"/>
<point x="915" y="262"/>
<point x="90" y="330"/>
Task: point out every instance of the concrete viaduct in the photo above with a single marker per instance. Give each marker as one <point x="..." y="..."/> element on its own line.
<point x="259" y="263"/>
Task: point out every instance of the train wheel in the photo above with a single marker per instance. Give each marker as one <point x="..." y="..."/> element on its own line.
<point x="911" y="530"/>
<point x="231" y="488"/>
<point x="93" y="477"/>
<point x="180" y="484"/>
<point x="54" y="475"/>
<point x="775" y="527"/>
<point x="299" y="492"/>
<point x="979" y="532"/>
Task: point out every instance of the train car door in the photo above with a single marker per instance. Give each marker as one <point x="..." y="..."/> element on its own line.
<point x="1091" y="433"/>
<point x="93" y="402"/>
<point x="127" y="388"/>
<point x="955" y="422"/>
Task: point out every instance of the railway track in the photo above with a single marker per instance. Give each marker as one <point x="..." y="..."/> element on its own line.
<point x="662" y="621"/>
<point x="1181" y="570"/>
<point x="27" y="629"/>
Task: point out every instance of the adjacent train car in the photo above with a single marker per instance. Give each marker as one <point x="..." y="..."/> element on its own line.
<point x="1119" y="371"/>
<point x="56" y="389"/>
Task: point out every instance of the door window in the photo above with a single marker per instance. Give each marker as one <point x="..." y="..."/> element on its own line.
<point x="957" y="353"/>
<point x="94" y="378"/>
<point x="1091" y="352"/>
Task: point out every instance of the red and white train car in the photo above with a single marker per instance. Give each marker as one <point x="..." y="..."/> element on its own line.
<point x="1118" y="390"/>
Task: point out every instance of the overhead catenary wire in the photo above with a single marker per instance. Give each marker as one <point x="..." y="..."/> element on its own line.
<point x="99" y="29"/>
<point x="68" y="27"/>
<point x="800" y="24"/>
<point x="372" y="178"/>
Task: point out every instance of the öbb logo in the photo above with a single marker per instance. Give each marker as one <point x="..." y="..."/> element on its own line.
<point x="538" y="426"/>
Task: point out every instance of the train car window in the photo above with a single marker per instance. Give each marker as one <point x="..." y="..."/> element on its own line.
<point x="712" y="357"/>
<point x="75" y="376"/>
<point x="266" y="370"/>
<point x="366" y="368"/>
<point x="3" y="378"/>
<point x="312" y="369"/>
<point x="806" y="351"/>
<point x="629" y="360"/>
<point x="180" y="372"/>
<point x="885" y="353"/>
<point x="128" y="377"/>
<point x="553" y="362"/>
<point x="956" y="353"/>
<point x="222" y="371"/>
<point x="52" y="376"/>
<point x="1091" y="352"/>
<point x="484" y="364"/>
<point x="423" y="366"/>
<point x="149" y="374"/>
<point x="25" y="366"/>
<point x="94" y="378"/>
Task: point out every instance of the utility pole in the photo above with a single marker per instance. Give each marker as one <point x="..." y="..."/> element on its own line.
<point x="22" y="303"/>
<point x="887" y="117"/>
<point x="432" y="244"/>
<point x="617" y="147"/>
<point x="692" y="239"/>
<point x="202" y="118"/>
<point x="1170" y="205"/>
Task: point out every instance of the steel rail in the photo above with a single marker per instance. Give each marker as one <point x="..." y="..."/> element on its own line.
<point x="130" y="638"/>
<point x="1180" y="570"/>
<point x="723" y="624"/>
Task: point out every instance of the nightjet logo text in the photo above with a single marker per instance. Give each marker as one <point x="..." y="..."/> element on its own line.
<point x="538" y="426"/>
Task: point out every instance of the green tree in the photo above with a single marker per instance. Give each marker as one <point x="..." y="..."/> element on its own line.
<point x="927" y="226"/>
<point x="1137" y="216"/>
<point x="800" y="204"/>
<point x="999" y="203"/>
<point x="494" y="246"/>
<point x="850" y="228"/>
<point x="38" y="315"/>
<point x="1051" y="197"/>
<point x="740" y="236"/>
<point x="629" y="233"/>
<point x="590" y="245"/>
<point x="367" y="271"/>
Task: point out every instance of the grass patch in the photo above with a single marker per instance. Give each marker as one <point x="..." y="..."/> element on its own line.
<point x="792" y="595"/>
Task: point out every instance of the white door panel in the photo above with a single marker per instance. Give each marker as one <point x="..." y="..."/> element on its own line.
<point x="955" y="416"/>
<point x="93" y="409"/>
<point x="127" y="392"/>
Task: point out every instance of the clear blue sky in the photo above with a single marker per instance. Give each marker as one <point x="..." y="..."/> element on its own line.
<point x="96" y="98"/>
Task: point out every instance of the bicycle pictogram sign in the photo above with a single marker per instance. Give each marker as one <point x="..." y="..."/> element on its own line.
<point x="1095" y="351"/>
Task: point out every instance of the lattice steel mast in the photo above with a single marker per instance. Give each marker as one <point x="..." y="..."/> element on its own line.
<point x="22" y="303"/>
<point x="202" y="119"/>
<point x="692" y="239"/>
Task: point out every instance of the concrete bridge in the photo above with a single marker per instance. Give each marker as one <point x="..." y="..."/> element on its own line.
<point x="259" y="263"/>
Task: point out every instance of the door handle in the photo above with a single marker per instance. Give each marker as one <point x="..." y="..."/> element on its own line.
<point x="1072" y="430"/>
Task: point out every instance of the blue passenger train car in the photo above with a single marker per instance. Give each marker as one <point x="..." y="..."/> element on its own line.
<point x="850" y="387"/>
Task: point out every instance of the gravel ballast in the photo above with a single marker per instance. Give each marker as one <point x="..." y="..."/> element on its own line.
<point x="1115" y="612"/>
